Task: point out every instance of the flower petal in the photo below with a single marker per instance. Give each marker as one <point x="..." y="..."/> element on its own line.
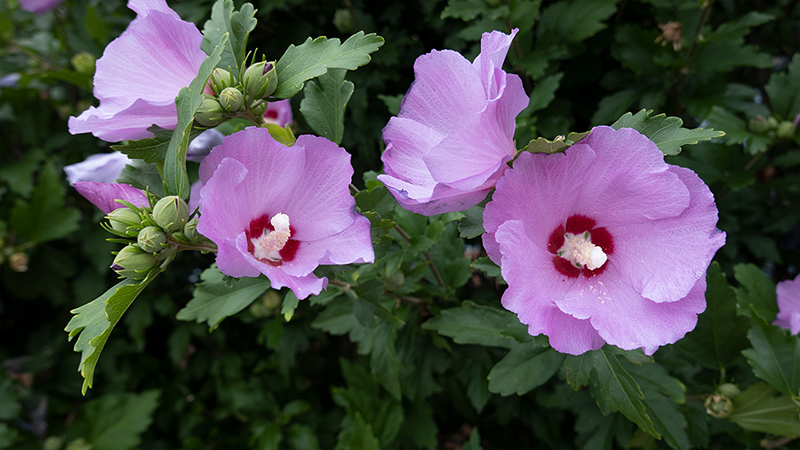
<point x="663" y="259"/>
<point x="101" y="167"/>
<point x="103" y="195"/>
<point x="226" y="203"/>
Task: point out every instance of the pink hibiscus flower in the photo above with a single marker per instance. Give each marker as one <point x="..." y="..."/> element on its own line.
<point x="788" y="293"/>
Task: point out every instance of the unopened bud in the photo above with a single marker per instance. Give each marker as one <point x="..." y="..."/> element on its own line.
<point x="260" y="80"/>
<point x="728" y="390"/>
<point x="786" y="130"/>
<point x="718" y="406"/>
<point x="190" y="230"/>
<point x="125" y="221"/>
<point x="758" y="125"/>
<point x="151" y="238"/>
<point x="210" y="113"/>
<point x="18" y="262"/>
<point x="231" y="99"/>
<point x="221" y="79"/>
<point x="133" y="262"/>
<point x="772" y="122"/>
<point x="171" y="213"/>
<point x="83" y="62"/>
<point x="259" y="109"/>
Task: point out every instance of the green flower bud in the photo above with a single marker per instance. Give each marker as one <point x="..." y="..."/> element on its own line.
<point x="231" y="99"/>
<point x="210" y="113"/>
<point x="83" y="62"/>
<point x="259" y="109"/>
<point x="125" y="221"/>
<point x="151" y="238"/>
<point x="171" y="213"/>
<point x="221" y="79"/>
<point x="772" y="122"/>
<point x="728" y="390"/>
<point x="190" y="230"/>
<point x="718" y="406"/>
<point x="758" y="125"/>
<point x="786" y="130"/>
<point x="260" y="80"/>
<point x="133" y="262"/>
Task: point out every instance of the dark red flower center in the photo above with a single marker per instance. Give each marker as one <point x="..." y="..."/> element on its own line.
<point x="578" y="236"/>
<point x="261" y="227"/>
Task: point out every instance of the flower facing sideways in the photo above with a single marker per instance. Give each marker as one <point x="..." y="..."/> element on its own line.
<point x="281" y="211"/>
<point x="141" y="73"/>
<point x="455" y="130"/>
<point x="604" y="243"/>
<point x="788" y="293"/>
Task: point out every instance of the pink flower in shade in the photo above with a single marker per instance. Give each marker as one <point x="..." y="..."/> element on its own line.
<point x="102" y="167"/>
<point x="281" y="211"/>
<point x="104" y="195"/>
<point x="455" y="131"/>
<point x="604" y="243"/>
<point x="141" y="73"/>
<point x="279" y="112"/>
<point x="38" y="6"/>
<point x="788" y="293"/>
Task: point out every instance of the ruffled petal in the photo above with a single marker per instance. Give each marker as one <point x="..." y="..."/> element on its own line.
<point x="630" y="182"/>
<point x="101" y="167"/>
<point x="532" y="287"/>
<point x="104" y="195"/>
<point x="113" y="124"/>
<point x="626" y="319"/>
<point x="663" y="259"/>
<point x="225" y="202"/>
<point x="494" y="48"/>
<point x="788" y="294"/>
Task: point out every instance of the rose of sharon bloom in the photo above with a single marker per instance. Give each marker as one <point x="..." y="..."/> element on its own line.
<point x="279" y="112"/>
<point x="102" y="167"/>
<point x="281" y="211"/>
<point x="104" y="195"/>
<point x="140" y="74"/>
<point x="604" y="243"/>
<point x="454" y="133"/>
<point x="38" y="6"/>
<point x="788" y="293"/>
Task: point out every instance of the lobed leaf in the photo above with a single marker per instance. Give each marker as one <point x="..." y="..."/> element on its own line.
<point x="665" y="132"/>
<point x="525" y="367"/>
<point x="45" y="216"/>
<point x="213" y="300"/>
<point x="324" y="104"/>
<point x="784" y="90"/>
<point x="118" y="420"/>
<point x="237" y="25"/>
<point x="315" y="56"/>
<point x="775" y="357"/>
<point x="756" y="292"/>
<point x="471" y="323"/>
<point x="758" y="409"/>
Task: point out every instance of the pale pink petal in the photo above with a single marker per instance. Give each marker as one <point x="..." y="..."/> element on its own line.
<point x="321" y="204"/>
<point x="439" y="200"/>
<point x="144" y="7"/>
<point x="112" y="124"/>
<point x="225" y="202"/>
<point x="38" y="6"/>
<point x="663" y="259"/>
<point x="279" y="112"/>
<point x="625" y="319"/>
<point x="102" y="167"/>
<point x="407" y="141"/>
<point x="103" y="195"/>
<point x="276" y="169"/>
<point x="631" y="179"/>
<point x="494" y="48"/>
<point x="788" y="293"/>
<point x="533" y="284"/>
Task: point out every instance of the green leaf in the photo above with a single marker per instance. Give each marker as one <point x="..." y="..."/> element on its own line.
<point x="775" y="357"/>
<point x="487" y="266"/>
<point x="736" y="131"/>
<point x="151" y="150"/>
<point x="724" y="49"/>
<point x="612" y="387"/>
<point x="477" y="324"/>
<point x="525" y="367"/>
<point x="784" y="90"/>
<point x="720" y="335"/>
<point x="95" y="320"/>
<point x="7" y="436"/>
<point x="665" y="132"/>
<point x="360" y="437"/>
<point x="574" y="21"/>
<point x="118" y="420"/>
<point x="324" y="104"/>
<point x="9" y="406"/>
<point x="471" y="225"/>
<point x="663" y="395"/>
<point x="44" y="217"/>
<point x="758" y="409"/>
<point x="465" y="10"/>
<point x="545" y="92"/>
<point x="314" y="57"/>
<point x="237" y="25"/>
<point x="756" y="291"/>
<point x="542" y="145"/>
<point x="142" y="176"/>
<point x="377" y="199"/>
<point x="392" y="102"/>
<point x="474" y="442"/>
<point x="290" y="303"/>
<point x="384" y="361"/>
<point x="212" y="300"/>
<point x="189" y="99"/>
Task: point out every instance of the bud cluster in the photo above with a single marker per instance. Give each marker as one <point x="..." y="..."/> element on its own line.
<point x="772" y="128"/>
<point x="243" y="97"/>
<point x="158" y="233"/>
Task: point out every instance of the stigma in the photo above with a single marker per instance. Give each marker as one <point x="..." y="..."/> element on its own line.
<point x="271" y="242"/>
<point x="579" y="250"/>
